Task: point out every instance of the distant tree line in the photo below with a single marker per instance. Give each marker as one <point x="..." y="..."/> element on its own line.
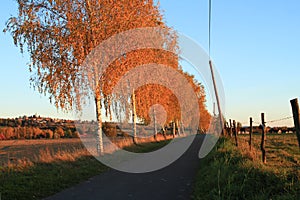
<point x="35" y="121"/>
<point x="9" y="133"/>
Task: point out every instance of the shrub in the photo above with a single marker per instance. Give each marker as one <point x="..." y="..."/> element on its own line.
<point x="48" y="134"/>
<point x="75" y="134"/>
<point x="29" y="133"/>
<point x="36" y="132"/>
<point x="68" y="133"/>
<point x="2" y="137"/>
<point x="59" y="132"/>
<point x="9" y="133"/>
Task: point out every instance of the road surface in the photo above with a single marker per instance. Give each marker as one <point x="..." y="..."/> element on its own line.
<point x="172" y="182"/>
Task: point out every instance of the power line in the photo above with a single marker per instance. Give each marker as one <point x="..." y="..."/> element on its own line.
<point x="209" y="26"/>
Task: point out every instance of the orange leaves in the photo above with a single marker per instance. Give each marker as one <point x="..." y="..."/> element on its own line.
<point x="152" y="94"/>
<point x="134" y="59"/>
<point x="61" y="34"/>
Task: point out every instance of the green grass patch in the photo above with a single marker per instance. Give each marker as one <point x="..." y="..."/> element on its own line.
<point x="44" y="179"/>
<point x="226" y="174"/>
<point x="147" y="147"/>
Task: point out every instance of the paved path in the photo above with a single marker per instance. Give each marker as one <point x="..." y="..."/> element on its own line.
<point x="172" y="182"/>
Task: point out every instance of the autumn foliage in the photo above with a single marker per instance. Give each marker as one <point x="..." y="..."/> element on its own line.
<point x="60" y="35"/>
<point x="30" y="132"/>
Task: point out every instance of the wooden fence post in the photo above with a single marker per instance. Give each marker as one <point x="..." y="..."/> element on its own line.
<point x="235" y="133"/>
<point x="263" y="138"/>
<point x="250" y="133"/>
<point x="225" y="129"/>
<point x="296" y="114"/>
<point x="230" y="123"/>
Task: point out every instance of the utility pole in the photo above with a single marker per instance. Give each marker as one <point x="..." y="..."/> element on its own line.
<point x="217" y="96"/>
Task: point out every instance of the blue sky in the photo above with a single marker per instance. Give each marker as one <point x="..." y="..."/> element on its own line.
<point x="255" y="46"/>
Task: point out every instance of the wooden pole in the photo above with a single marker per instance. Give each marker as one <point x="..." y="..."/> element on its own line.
<point x="250" y="133"/>
<point x="217" y="96"/>
<point x="263" y="138"/>
<point x="230" y="130"/>
<point x="296" y="114"/>
<point x="225" y="128"/>
<point x="235" y="133"/>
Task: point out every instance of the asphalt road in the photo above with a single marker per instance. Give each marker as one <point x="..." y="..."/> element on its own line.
<point x="172" y="182"/>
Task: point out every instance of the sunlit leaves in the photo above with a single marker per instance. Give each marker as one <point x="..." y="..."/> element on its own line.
<point x="59" y="35"/>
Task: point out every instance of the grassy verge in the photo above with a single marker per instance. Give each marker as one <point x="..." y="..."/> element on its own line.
<point x="228" y="174"/>
<point x="44" y="179"/>
<point x="54" y="172"/>
<point x="147" y="147"/>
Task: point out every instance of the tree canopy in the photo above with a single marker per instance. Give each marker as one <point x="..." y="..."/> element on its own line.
<point x="60" y="35"/>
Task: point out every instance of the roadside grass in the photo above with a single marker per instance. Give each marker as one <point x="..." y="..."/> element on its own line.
<point x="147" y="147"/>
<point x="35" y="180"/>
<point x="231" y="173"/>
<point x="53" y="171"/>
<point x="282" y="151"/>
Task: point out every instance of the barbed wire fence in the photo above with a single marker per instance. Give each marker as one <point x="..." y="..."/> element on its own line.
<point x="271" y="121"/>
<point x="270" y="126"/>
<point x="279" y="120"/>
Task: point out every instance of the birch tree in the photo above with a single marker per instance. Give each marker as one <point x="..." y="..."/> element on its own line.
<point x="59" y="35"/>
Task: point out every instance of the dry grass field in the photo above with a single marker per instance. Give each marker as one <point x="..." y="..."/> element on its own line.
<point x="282" y="151"/>
<point x="34" y="169"/>
<point x="35" y="150"/>
<point x="49" y="150"/>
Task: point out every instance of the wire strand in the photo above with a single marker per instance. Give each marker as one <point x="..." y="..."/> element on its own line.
<point x="278" y="120"/>
<point x="209" y="27"/>
<point x="271" y="121"/>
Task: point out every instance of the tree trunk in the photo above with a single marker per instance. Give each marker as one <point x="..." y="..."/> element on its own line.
<point x="164" y="131"/>
<point x="134" y="117"/>
<point x="182" y="127"/>
<point x="178" y="127"/>
<point x="100" y="149"/>
<point x="174" y="129"/>
<point x="155" y="127"/>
